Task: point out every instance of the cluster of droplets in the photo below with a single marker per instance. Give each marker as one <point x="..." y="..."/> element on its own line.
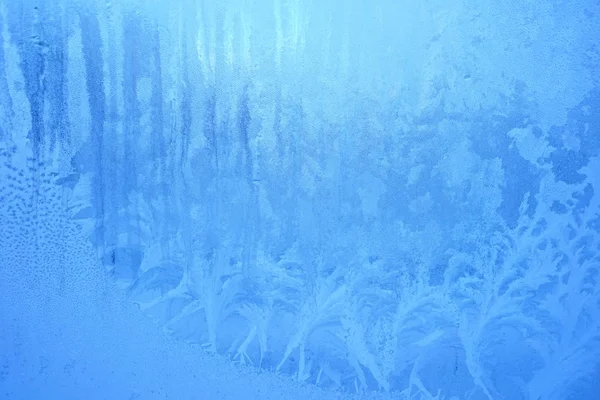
<point x="36" y="229"/>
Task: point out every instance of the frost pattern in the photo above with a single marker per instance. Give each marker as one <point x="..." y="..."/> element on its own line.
<point x="349" y="197"/>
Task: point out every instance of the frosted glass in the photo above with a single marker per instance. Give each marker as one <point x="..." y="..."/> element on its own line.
<point x="299" y="199"/>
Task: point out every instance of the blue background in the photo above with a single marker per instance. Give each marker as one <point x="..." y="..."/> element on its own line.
<point x="292" y="199"/>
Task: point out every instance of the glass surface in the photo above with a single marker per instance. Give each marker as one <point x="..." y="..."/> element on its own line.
<point x="286" y="199"/>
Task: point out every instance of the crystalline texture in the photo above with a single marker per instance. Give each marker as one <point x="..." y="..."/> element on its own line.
<point x="399" y="197"/>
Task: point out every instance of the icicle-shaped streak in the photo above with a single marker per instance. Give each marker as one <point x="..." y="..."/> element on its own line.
<point x="201" y="47"/>
<point x="297" y="27"/>
<point x="32" y="52"/>
<point x="229" y="52"/>
<point x="206" y="43"/>
<point x="245" y="21"/>
<point x="278" y="34"/>
<point x="6" y="112"/>
<point x="16" y="108"/>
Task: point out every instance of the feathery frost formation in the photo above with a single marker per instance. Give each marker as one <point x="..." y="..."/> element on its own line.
<point x="398" y="197"/>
